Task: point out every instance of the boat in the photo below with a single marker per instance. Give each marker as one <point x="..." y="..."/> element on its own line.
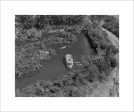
<point x="69" y="61"/>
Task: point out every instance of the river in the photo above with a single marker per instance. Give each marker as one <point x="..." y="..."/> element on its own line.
<point x="55" y="67"/>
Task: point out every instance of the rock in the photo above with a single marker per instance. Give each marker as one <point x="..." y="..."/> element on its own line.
<point x="69" y="60"/>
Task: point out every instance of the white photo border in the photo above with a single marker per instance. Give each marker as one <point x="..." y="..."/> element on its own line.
<point x="11" y="103"/>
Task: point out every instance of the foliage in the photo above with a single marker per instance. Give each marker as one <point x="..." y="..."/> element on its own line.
<point x="28" y="57"/>
<point x="109" y="22"/>
<point x="25" y="21"/>
<point x="112" y="25"/>
<point x="57" y="36"/>
<point x="66" y="85"/>
<point x="42" y="21"/>
<point x="104" y="59"/>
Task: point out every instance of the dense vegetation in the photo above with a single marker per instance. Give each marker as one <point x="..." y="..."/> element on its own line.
<point x="35" y="33"/>
<point x="111" y="23"/>
<point x="103" y="47"/>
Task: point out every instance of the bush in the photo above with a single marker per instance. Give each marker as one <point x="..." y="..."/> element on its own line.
<point x="104" y="59"/>
<point x="109" y="22"/>
<point x="25" y="21"/>
<point x="42" y="21"/>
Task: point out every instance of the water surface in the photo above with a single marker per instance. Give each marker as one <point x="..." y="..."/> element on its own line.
<point x="55" y="67"/>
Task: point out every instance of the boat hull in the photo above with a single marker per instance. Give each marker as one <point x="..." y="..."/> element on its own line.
<point x="69" y="61"/>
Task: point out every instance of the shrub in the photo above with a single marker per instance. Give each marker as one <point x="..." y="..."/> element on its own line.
<point x="26" y="21"/>
<point x="109" y="22"/>
<point x="104" y="60"/>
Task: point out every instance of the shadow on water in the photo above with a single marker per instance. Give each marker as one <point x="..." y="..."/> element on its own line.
<point x="56" y="66"/>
